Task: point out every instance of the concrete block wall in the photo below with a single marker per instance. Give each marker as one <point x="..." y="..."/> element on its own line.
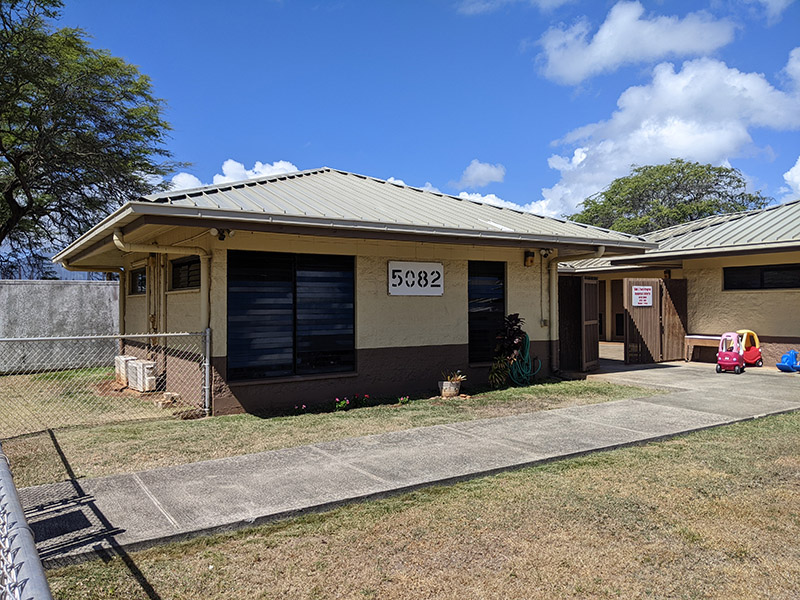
<point x="31" y="308"/>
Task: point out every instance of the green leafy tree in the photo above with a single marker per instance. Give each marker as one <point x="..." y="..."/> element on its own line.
<point x="657" y="196"/>
<point x="80" y="133"/>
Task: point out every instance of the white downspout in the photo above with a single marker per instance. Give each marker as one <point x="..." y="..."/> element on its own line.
<point x="555" y="363"/>
<point x="162" y="294"/>
<point x="205" y="271"/>
<point x="123" y="294"/>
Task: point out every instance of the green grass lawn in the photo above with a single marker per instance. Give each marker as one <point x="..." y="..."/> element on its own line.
<point x="714" y="514"/>
<point x="69" y="398"/>
<point x="135" y="446"/>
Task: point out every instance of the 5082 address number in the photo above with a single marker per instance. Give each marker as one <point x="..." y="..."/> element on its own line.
<point x="415" y="278"/>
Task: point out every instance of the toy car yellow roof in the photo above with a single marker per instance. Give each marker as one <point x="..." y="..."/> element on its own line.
<point x="745" y="332"/>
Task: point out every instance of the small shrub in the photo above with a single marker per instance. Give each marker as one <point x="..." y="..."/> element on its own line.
<point x="404" y="400"/>
<point x="498" y="373"/>
<point x="346" y="403"/>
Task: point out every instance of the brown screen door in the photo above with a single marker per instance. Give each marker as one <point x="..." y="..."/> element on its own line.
<point x="590" y="319"/>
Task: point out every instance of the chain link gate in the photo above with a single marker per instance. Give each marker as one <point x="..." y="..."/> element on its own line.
<point x="56" y="382"/>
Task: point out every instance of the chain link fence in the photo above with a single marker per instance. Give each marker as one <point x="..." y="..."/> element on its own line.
<point x="51" y="383"/>
<point x="21" y="574"/>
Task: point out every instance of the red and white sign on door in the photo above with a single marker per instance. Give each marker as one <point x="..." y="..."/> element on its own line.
<point x="642" y="295"/>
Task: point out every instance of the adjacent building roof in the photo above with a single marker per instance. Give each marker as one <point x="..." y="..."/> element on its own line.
<point x="328" y="199"/>
<point x="769" y="229"/>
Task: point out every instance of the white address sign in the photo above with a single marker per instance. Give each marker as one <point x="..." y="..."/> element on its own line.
<point x="415" y="278"/>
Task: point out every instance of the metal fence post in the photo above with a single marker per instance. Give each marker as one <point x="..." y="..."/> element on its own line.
<point x="207" y="371"/>
<point x="21" y="573"/>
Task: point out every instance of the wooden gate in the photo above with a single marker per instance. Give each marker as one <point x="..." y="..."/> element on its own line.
<point x="579" y="324"/>
<point x="655" y="319"/>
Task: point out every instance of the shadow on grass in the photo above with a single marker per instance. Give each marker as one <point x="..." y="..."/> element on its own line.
<point x="109" y="529"/>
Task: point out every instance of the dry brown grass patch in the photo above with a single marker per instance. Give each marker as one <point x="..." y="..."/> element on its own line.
<point x="711" y="515"/>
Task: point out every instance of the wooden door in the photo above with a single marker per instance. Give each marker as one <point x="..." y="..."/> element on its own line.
<point x="673" y="318"/>
<point x="642" y="303"/>
<point x="569" y="322"/>
<point x="590" y="330"/>
<point x="616" y="319"/>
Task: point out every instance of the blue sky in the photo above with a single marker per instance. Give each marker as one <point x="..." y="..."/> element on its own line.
<point x="535" y="103"/>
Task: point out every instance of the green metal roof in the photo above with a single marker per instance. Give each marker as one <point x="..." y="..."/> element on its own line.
<point x="772" y="228"/>
<point x="346" y="202"/>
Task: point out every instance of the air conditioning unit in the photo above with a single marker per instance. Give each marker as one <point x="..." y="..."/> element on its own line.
<point x="121" y="368"/>
<point x="141" y="375"/>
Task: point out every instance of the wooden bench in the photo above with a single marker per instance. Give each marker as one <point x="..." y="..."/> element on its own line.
<point x="690" y="341"/>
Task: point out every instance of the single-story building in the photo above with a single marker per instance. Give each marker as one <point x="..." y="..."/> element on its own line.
<point x="740" y="271"/>
<point x="325" y="283"/>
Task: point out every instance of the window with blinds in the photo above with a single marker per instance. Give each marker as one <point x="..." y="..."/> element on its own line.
<point x="290" y="314"/>
<point x="186" y="273"/>
<point x="487" y="308"/>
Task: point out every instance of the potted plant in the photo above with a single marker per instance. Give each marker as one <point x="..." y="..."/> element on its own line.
<point x="450" y="386"/>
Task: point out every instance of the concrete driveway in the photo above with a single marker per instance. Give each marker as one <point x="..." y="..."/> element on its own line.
<point x="698" y="386"/>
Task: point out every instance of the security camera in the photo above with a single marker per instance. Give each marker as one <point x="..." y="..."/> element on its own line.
<point x="545" y="252"/>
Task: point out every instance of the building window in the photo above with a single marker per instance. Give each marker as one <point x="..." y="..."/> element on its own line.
<point x="290" y="314"/>
<point x="487" y="308"/>
<point x="765" y="277"/>
<point x="186" y="273"/>
<point x="138" y="282"/>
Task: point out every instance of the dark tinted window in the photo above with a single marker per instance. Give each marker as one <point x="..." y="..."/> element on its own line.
<point x="289" y="314"/>
<point x="487" y="306"/>
<point x="767" y="277"/>
<point x="186" y="273"/>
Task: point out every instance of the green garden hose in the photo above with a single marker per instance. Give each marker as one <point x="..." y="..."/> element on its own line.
<point x="520" y="371"/>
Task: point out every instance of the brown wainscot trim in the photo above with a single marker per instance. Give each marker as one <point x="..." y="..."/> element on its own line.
<point x="382" y="373"/>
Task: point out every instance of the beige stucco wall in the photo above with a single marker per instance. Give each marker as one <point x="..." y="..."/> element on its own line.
<point x="183" y="311"/>
<point x="384" y="321"/>
<point x="183" y="306"/>
<point x="135" y="314"/>
<point x="767" y="312"/>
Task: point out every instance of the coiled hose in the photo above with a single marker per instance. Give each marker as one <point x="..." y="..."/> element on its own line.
<point x="520" y="371"/>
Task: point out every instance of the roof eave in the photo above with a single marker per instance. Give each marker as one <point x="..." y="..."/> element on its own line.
<point x="113" y="220"/>
<point x="135" y="209"/>
<point x="655" y="257"/>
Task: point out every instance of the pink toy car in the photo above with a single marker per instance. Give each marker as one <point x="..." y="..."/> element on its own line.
<point x="731" y="353"/>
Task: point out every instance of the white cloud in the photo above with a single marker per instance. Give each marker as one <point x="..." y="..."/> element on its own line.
<point x="477" y="7"/>
<point x="396" y="181"/>
<point x="792" y="178"/>
<point x="235" y="171"/>
<point x="479" y="174"/>
<point x="429" y="187"/>
<point x="704" y="112"/>
<point x="773" y="8"/>
<point x="626" y="38"/>
<point x="184" y="181"/>
<point x="540" y="207"/>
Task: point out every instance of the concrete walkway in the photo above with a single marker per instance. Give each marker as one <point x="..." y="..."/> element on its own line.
<point x="83" y="519"/>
